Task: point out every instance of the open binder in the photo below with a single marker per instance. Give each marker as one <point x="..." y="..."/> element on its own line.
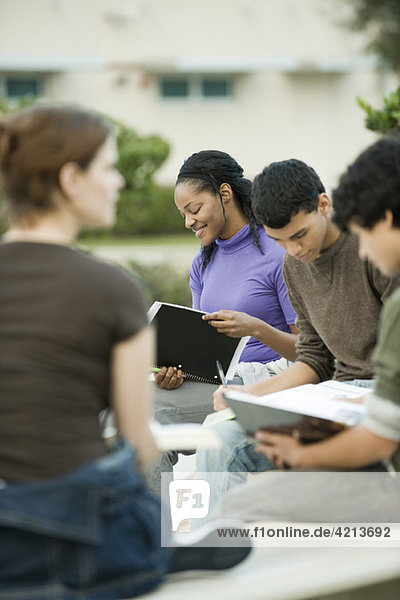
<point x="187" y="342"/>
<point x="308" y="412"/>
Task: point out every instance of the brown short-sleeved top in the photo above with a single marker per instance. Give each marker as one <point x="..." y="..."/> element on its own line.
<point x="61" y="312"/>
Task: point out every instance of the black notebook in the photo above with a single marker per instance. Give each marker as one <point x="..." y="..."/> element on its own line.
<point x="308" y="412"/>
<point x="187" y="342"/>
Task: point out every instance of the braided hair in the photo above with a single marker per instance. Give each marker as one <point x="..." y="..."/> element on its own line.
<point x="207" y="171"/>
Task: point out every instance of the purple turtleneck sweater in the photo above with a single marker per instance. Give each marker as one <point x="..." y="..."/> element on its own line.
<point x="239" y="277"/>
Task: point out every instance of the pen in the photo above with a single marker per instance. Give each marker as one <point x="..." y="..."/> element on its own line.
<point x="221" y="374"/>
<point x="157" y="370"/>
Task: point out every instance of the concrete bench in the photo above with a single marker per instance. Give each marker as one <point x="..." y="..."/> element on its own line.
<point x="297" y="573"/>
<point x="294" y="574"/>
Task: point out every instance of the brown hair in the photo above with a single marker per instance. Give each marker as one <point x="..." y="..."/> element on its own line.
<point x="34" y="145"/>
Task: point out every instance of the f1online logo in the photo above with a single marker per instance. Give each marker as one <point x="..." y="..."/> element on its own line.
<point x="189" y="499"/>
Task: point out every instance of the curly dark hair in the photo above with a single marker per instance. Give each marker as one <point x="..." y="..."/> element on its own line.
<point x="370" y="186"/>
<point x="207" y="171"/>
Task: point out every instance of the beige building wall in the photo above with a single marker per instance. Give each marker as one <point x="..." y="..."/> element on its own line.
<point x="295" y="72"/>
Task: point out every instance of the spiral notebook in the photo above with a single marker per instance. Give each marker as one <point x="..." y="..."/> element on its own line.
<point x="187" y="342"/>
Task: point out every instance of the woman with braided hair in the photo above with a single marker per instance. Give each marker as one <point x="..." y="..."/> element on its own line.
<point x="237" y="276"/>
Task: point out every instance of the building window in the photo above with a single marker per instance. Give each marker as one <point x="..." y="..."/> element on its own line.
<point x="174" y="88"/>
<point x="192" y="87"/>
<point x="216" y="88"/>
<point x="18" y="87"/>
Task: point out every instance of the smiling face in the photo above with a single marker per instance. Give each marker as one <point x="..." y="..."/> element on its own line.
<point x="307" y="235"/>
<point x="203" y="213"/>
<point x="93" y="192"/>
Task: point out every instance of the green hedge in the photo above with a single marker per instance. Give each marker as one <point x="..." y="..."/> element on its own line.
<point x="163" y="283"/>
<point x="143" y="207"/>
<point x="147" y="211"/>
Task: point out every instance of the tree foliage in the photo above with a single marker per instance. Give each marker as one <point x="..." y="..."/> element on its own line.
<point x="163" y="283"/>
<point x="143" y="207"/>
<point x="381" y="19"/>
<point x="386" y="120"/>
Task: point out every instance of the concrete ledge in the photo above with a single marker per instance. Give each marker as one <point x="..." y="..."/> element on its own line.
<point x="295" y="574"/>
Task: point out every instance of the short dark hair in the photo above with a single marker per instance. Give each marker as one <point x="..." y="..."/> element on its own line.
<point x="370" y="186"/>
<point x="282" y="190"/>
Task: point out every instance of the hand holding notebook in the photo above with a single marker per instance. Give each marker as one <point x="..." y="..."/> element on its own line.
<point x="307" y="412"/>
<point x="187" y="342"/>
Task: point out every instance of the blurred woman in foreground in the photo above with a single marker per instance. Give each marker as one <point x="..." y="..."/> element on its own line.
<point x="75" y="520"/>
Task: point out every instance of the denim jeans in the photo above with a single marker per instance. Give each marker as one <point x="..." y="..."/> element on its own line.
<point x="190" y="403"/>
<point x="93" y="534"/>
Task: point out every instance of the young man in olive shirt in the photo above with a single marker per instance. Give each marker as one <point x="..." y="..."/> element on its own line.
<point x="367" y="202"/>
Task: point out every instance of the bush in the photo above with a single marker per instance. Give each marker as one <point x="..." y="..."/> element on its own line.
<point x="386" y="120"/>
<point x="143" y="207"/>
<point x="147" y="211"/>
<point x="163" y="283"/>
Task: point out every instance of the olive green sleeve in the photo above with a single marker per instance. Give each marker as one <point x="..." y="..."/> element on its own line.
<point x="387" y="352"/>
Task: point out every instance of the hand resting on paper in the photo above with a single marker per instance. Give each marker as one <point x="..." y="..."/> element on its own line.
<point x="232" y="322"/>
<point x="219" y="401"/>
<point x="169" y="378"/>
<point x="283" y="450"/>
